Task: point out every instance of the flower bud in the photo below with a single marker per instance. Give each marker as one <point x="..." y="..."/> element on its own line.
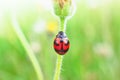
<point x="62" y="8"/>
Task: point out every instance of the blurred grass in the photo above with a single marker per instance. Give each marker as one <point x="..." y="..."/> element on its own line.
<point x="94" y="33"/>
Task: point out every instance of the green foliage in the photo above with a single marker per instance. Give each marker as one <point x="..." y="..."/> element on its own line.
<point x="94" y="37"/>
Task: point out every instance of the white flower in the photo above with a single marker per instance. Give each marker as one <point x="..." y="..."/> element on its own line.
<point x="36" y="47"/>
<point x="39" y="26"/>
<point x="103" y="49"/>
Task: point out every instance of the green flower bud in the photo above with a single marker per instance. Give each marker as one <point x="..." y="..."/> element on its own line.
<point x="62" y="8"/>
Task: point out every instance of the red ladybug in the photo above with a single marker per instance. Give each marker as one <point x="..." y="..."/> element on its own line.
<point x="61" y="43"/>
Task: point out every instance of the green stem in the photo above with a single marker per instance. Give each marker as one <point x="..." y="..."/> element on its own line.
<point x="59" y="57"/>
<point x="58" y="67"/>
<point x="62" y="23"/>
<point x="28" y="49"/>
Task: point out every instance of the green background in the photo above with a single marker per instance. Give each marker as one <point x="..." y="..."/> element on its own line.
<point x="93" y="31"/>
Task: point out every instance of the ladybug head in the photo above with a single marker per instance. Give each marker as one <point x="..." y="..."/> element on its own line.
<point x="61" y="34"/>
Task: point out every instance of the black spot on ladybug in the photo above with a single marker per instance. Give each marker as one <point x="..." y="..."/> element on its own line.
<point x="61" y="52"/>
<point x="67" y="43"/>
<point x="56" y="43"/>
<point x="61" y="43"/>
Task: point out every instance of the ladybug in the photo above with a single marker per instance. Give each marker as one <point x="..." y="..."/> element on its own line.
<point x="61" y="43"/>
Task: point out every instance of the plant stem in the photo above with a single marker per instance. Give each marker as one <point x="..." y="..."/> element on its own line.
<point x="59" y="57"/>
<point x="28" y="49"/>
<point x="58" y="67"/>
<point x="62" y="24"/>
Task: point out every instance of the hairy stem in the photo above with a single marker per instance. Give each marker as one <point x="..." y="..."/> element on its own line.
<point x="62" y="24"/>
<point x="59" y="57"/>
<point x="27" y="47"/>
<point x="58" y="67"/>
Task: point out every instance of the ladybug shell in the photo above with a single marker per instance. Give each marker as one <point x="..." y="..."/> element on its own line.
<point x="61" y="43"/>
